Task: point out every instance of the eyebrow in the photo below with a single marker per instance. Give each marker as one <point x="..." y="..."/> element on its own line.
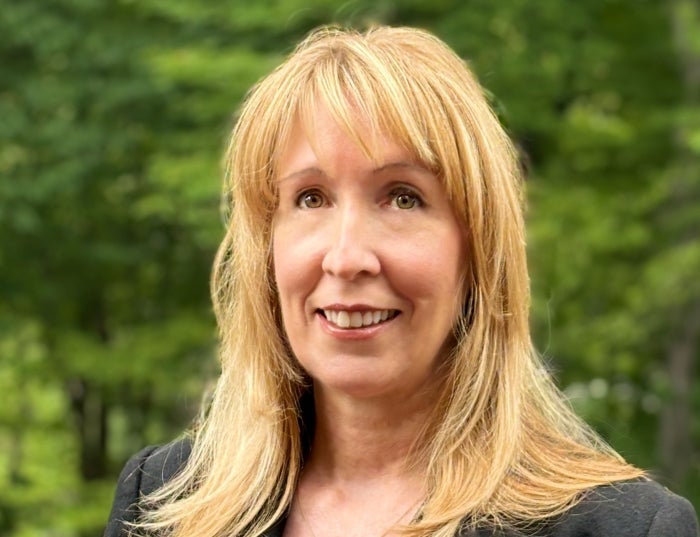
<point x="311" y="170"/>
<point x="401" y="164"/>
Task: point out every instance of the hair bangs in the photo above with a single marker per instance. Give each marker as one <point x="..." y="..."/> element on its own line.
<point x="368" y="99"/>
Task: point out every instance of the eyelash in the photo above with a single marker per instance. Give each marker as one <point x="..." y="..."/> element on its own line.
<point x="416" y="200"/>
<point x="302" y="197"/>
<point x="404" y="191"/>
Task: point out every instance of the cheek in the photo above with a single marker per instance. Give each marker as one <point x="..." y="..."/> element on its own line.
<point x="294" y="267"/>
<point x="283" y="271"/>
<point x="283" y="268"/>
<point x="279" y="256"/>
<point x="433" y="266"/>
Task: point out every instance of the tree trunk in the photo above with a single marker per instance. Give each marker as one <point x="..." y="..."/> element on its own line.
<point x="90" y="416"/>
<point x="675" y="442"/>
<point x="675" y="434"/>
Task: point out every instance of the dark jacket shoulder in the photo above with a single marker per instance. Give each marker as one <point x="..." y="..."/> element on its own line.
<point x="636" y="508"/>
<point x="144" y="473"/>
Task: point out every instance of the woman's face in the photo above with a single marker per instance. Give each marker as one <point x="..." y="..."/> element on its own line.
<point x="368" y="259"/>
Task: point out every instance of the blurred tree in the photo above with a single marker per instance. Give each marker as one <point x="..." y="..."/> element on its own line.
<point x="682" y="260"/>
<point x="102" y="272"/>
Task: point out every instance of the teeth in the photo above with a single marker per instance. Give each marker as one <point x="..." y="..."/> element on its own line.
<point x="358" y="319"/>
<point x="343" y="319"/>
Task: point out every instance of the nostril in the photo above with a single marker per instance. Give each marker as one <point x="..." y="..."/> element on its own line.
<point x="350" y="261"/>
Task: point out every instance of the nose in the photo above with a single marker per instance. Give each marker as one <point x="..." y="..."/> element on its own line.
<point x="350" y="251"/>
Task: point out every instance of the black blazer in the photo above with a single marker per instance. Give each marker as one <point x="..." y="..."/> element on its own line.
<point x="638" y="508"/>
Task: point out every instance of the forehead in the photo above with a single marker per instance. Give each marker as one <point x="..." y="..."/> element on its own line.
<point x="320" y="139"/>
<point x="319" y="131"/>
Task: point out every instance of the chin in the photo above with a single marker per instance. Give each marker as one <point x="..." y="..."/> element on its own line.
<point x="372" y="386"/>
<point x="355" y="388"/>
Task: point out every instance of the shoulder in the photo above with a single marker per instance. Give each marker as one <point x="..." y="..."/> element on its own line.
<point x="638" y="508"/>
<point x="144" y="473"/>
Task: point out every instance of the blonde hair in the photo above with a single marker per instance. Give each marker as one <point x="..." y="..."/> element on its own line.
<point x="504" y="447"/>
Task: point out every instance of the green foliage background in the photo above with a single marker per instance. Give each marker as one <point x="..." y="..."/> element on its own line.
<point x="113" y="118"/>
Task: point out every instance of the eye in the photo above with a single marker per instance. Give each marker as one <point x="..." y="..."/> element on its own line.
<point x="310" y="199"/>
<point x="405" y="198"/>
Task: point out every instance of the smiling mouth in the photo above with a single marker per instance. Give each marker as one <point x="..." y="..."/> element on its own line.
<point x="357" y="319"/>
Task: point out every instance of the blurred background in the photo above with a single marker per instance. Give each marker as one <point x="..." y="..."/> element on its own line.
<point x="113" y="119"/>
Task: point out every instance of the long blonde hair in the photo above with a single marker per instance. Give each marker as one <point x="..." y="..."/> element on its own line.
<point x="504" y="446"/>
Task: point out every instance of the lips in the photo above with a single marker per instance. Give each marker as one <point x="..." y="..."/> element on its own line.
<point x="357" y="319"/>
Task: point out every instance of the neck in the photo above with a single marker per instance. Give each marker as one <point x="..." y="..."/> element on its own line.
<point x="358" y="440"/>
<point x="359" y="475"/>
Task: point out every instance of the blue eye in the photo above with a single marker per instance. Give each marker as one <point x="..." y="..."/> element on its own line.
<point x="404" y="198"/>
<point x="310" y="199"/>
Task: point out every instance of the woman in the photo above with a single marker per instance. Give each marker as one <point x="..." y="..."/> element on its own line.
<point x="372" y="297"/>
